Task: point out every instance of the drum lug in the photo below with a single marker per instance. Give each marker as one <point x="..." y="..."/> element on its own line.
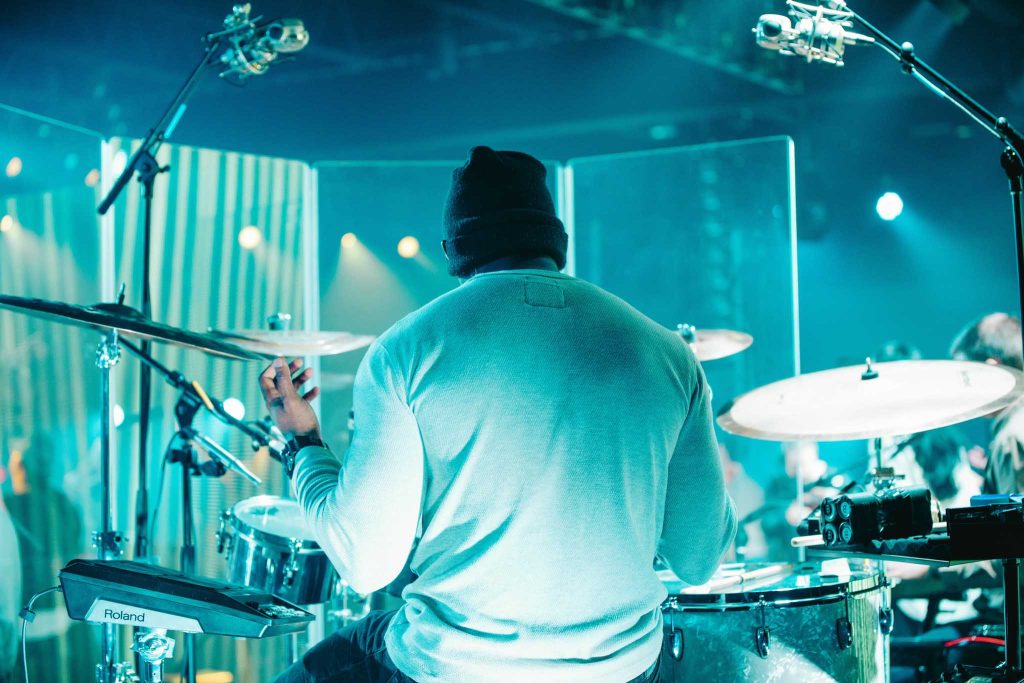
<point x="677" y="644"/>
<point x="844" y="632"/>
<point x="885" y="620"/>
<point x="762" y="641"/>
<point x="222" y="537"/>
<point x="291" y="565"/>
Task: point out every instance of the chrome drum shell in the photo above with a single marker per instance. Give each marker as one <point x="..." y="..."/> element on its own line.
<point x="807" y="626"/>
<point x="268" y="546"/>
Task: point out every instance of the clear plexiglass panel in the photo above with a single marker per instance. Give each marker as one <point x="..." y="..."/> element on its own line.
<point x="50" y="405"/>
<point x="366" y="209"/>
<point x="704" y="236"/>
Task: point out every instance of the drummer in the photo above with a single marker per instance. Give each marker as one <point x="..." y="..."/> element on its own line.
<point x="541" y="438"/>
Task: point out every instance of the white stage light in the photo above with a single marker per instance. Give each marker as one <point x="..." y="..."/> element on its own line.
<point x="250" y="237"/>
<point x="408" y="246"/>
<point x="889" y="206"/>
<point x="234" y="408"/>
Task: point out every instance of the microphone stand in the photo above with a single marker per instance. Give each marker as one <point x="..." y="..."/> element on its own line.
<point x="144" y="163"/>
<point x="998" y="126"/>
<point x="261" y="437"/>
<point x="1013" y="166"/>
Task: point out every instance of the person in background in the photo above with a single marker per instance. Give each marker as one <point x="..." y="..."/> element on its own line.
<point x="529" y="443"/>
<point x="10" y="591"/>
<point x="50" y="533"/>
<point x="787" y="510"/>
<point x="750" y="509"/>
<point x="972" y="592"/>
<point x="996" y="338"/>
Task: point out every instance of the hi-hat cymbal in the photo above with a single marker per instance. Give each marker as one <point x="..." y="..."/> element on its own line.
<point x="713" y="344"/>
<point x="865" y="401"/>
<point x="294" y="342"/>
<point x="126" y="320"/>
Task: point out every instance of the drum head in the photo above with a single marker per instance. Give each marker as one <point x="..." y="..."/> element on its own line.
<point x="273" y="516"/>
<point x="801" y="584"/>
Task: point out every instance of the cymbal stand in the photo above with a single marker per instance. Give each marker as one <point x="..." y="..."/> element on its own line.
<point x="181" y="450"/>
<point x="107" y="541"/>
<point x="153" y="647"/>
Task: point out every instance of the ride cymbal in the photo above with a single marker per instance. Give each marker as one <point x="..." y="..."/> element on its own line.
<point x="864" y="402"/>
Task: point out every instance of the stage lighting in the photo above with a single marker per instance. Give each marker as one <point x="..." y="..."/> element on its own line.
<point x="889" y="206"/>
<point x="408" y="246"/>
<point x="6" y="223"/>
<point x="92" y="178"/>
<point x="13" y="167"/>
<point x="349" y="240"/>
<point x="234" y="408"/>
<point x="119" y="162"/>
<point x="250" y="237"/>
<point x="118" y="415"/>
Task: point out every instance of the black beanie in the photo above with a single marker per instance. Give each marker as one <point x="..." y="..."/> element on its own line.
<point x="499" y="205"/>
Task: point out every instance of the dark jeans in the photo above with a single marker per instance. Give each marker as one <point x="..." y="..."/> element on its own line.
<point x="356" y="654"/>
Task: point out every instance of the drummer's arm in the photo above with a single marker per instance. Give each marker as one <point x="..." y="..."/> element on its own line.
<point x="365" y="510"/>
<point x="700" y="521"/>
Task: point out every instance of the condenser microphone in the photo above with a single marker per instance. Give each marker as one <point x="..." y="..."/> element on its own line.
<point x="255" y="44"/>
<point x="818" y="34"/>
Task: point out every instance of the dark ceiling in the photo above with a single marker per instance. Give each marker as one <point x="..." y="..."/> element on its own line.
<point x="429" y="78"/>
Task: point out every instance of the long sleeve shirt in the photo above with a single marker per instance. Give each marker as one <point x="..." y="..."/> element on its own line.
<point x="528" y="442"/>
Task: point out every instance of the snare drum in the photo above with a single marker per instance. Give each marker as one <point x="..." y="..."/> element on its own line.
<point x="790" y="625"/>
<point x="269" y="546"/>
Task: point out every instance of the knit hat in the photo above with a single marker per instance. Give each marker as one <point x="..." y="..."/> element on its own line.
<point x="499" y="205"/>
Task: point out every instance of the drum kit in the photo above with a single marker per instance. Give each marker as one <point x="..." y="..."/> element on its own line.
<point x="769" y="622"/>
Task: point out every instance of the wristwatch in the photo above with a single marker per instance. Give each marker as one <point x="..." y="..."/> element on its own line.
<point x="295" y="444"/>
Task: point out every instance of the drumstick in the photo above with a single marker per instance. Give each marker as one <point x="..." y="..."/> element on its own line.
<point x="801" y="541"/>
<point x="716" y="585"/>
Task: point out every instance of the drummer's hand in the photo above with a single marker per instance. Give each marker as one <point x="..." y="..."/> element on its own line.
<point x="289" y="410"/>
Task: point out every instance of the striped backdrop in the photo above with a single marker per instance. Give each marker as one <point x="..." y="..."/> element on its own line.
<point x="203" y="278"/>
<point x="49" y="403"/>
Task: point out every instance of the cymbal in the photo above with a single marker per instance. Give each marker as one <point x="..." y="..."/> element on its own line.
<point x="126" y="320"/>
<point x="294" y="342"/>
<point x="871" y="401"/>
<point x="713" y="344"/>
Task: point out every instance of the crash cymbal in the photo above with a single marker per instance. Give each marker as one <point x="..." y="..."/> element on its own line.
<point x="713" y="344"/>
<point x="869" y="401"/>
<point x="294" y="342"/>
<point x="126" y="320"/>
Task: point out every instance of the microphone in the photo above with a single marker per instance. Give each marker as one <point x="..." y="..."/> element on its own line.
<point x="223" y="456"/>
<point x="819" y="34"/>
<point x="254" y="45"/>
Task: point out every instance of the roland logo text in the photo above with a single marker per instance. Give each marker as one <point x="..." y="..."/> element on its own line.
<point x="124" y="616"/>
